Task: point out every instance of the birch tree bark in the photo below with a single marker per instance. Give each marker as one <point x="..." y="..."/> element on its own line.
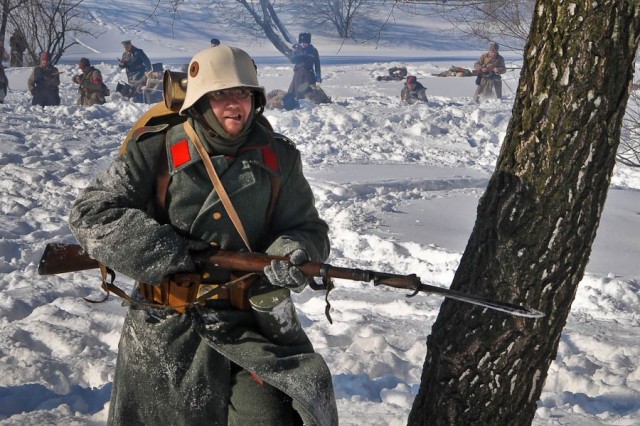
<point x="538" y="218"/>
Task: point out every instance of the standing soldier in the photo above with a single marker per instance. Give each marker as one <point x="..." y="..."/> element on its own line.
<point x="136" y="63"/>
<point x="4" y="81"/>
<point x="18" y="45"/>
<point x="306" y="71"/>
<point x="152" y="88"/>
<point x="44" y="82"/>
<point x="91" y="87"/>
<point x="209" y="363"/>
<point x="488" y="69"/>
<point x="413" y="91"/>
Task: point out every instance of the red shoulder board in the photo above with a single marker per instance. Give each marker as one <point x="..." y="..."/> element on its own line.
<point x="270" y="158"/>
<point x="180" y="153"/>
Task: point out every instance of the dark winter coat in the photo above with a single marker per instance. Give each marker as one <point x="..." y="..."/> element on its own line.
<point x="4" y="82"/>
<point x="306" y="70"/>
<point x="18" y="45"/>
<point x="416" y="94"/>
<point x="91" y="87"/>
<point x="43" y="84"/>
<point x="136" y="63"/>
<point x="172" y="368"/>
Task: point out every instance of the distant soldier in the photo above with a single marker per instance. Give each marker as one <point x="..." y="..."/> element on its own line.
<point x="152" y="88"/>
<point x="90" y="85"/>
<point x="413" y="91"/>
<point x="44" y="82"/>
<point x="306" y="71"/>
<point x="18" y="45"/>
<point x="4" y="81"/>
<point x="488" y="69"/>
<point x="215" y="42"/>
<point x="395" y="73"/>
<point x="136" y="63"/>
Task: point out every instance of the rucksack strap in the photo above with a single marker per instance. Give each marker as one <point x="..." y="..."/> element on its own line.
<point x="163" y="178"/>
<point x="217" y="183"/>
<point x="162" y="185"/>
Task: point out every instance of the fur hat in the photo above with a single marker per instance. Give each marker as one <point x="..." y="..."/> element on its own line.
<point x="215" y="42"/>
<point x="493" y="46"/>
<point x="45" y="56"/>
<point x="157" y="67"/>
<point x="411" y="79"/>
<point x="125" y="42"/>
<point x="84" y="62"/>
<point x="304" y="38"/>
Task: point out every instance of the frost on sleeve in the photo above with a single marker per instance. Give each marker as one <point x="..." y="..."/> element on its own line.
<point x="110" y="221"/>
<point x="295" y="222"/>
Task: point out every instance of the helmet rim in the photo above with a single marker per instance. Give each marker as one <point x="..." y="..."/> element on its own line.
<point x="221" y="68"/>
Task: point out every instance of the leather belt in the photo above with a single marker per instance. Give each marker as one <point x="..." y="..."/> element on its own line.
<point x="181" y="291"/>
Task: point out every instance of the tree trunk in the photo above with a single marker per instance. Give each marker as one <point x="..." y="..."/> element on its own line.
<point x="537" y="219"/>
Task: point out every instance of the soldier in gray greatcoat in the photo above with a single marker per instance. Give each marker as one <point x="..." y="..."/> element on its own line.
<point x="210" y="364"/>
<point x="136" y="63"/>
<point x="44" y="82"/>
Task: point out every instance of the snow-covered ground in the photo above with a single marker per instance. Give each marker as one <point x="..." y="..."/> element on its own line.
<point x="398" y="186"/>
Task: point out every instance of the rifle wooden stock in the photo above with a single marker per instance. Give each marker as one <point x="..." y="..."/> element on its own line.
<point x="59" y="258"/>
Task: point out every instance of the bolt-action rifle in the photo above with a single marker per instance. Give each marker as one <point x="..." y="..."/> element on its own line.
<point x="60" y="258"/>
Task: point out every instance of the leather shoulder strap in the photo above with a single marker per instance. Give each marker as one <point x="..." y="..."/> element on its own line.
<point x="217" y="183"/>
<point x="162" y="185"/>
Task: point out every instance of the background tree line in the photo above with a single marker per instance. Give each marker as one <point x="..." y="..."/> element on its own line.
<point x="46" y="26"/>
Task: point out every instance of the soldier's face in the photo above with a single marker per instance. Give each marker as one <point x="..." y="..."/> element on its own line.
<point x="232" y="108"/>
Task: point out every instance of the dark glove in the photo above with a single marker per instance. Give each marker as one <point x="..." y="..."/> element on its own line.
<point x="318" y="77"/>
<point x="284" y="273"/>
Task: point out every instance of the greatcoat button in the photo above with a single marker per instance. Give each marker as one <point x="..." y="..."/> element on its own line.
<point x="217" y="216"/>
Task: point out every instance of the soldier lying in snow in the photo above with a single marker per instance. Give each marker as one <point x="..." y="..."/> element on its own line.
<point x="454" y="71"/>
<point x="395" y="74"/>
<point x="279" y="99"/>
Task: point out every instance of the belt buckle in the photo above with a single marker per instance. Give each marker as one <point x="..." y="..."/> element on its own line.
<point x="205" y="288"/>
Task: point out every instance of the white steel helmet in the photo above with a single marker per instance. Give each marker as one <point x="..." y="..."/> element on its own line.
<point x="219" y="68"/>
